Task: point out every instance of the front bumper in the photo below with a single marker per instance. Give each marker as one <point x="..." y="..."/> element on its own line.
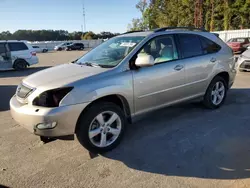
<point x="30" y="116"/>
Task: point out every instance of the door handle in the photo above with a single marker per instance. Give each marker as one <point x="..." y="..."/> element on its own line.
<point x="213" y="59"/>
<point x="178" y="67"/>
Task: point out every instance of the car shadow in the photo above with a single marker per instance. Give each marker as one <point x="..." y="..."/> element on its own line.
<point x="191" y="141"/>
<point x="26" y="72"/>
<point x="7" y="91"/>
<point x="2" y="186"/>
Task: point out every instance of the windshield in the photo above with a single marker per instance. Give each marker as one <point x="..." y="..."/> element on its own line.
<point x="111" y="52"/>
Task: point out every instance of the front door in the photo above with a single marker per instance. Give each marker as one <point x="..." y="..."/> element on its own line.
<point x="163" y="83"/>
<point x="5" y="57"/>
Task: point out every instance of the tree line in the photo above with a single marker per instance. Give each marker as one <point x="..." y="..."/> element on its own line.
<point x="213" y="15"/>
<point x="53" y="35"/>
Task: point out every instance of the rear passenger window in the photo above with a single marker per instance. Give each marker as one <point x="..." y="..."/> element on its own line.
<point x="17" y="46"/>
<point x="209" y="46"/>
<point x="190" y="45"/>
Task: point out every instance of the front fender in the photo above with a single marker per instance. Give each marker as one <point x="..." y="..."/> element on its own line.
<point x="120" y="84"/>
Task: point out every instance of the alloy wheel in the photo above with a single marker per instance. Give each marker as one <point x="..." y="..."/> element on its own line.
<point x="105" y="129"/>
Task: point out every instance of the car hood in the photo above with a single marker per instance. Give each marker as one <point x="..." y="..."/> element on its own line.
<point x="61" y="75"/>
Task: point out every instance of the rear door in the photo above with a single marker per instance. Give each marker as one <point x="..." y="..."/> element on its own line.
<point x="5" y="57"/>
<point x="199" y="54"/>
<point x="19" y="50"/>
<point x="76" y="46"/>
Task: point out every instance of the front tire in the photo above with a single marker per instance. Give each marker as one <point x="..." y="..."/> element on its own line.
<point x="101" y="127"/>
<point x="216" y="93"/>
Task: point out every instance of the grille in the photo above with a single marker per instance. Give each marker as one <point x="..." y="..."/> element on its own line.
<point x="23" y="91"/>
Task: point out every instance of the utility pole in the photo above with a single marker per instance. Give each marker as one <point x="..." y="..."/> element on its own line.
<point x="83" y="14"/>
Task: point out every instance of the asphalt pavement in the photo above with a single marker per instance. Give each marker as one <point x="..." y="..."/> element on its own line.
<point x="182" y="146"/>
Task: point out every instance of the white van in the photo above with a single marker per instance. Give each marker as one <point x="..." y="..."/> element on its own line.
<point x="16" y="55"/>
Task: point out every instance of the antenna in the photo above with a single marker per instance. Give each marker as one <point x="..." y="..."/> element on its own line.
<point x="83" y="14"/>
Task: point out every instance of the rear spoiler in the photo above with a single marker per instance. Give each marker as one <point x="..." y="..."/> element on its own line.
<point x="216" y="34"/>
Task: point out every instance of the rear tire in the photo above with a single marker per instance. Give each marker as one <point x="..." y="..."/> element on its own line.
<point x="216" y="93"/>
<point x="97" y="130"/>
<point x="20" y="65"/>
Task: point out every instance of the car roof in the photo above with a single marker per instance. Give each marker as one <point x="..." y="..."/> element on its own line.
<point x="174" y="31"/>
<point x="14" y="41"/>
<point x="169" y="30"/>
<point x="136" y="33"/>
<point x="240" y="38"/>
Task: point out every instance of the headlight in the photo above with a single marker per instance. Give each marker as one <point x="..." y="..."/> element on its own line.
<point x="51" y="98"/>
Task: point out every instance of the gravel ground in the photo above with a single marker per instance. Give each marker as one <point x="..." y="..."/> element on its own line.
<point x="182" y="146"/>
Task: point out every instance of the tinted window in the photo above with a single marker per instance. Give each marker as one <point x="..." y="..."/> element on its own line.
<point x="190" y="45"/>
<point x="35" y="46"/>
<point x="209" y="46"/>
<point x="2" y="48"/>
<point x="17" y="46"/>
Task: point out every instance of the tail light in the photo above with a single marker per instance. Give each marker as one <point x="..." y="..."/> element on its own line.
<point x="51" y="98"/>
<point x="33" y="53"/>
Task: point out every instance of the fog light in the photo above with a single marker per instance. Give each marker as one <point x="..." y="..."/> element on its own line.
<point x="46" y="125"/>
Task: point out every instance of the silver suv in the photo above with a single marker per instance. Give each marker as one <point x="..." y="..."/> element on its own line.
<point x="129" y="75"/>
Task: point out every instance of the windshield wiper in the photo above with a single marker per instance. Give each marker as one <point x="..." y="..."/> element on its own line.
<point x="91" y="64"/>
<point x="96" y="65"/>
<point x="74" y="61"/>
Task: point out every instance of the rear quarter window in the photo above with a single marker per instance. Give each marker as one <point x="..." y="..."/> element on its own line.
<point x="209" y="46"/>
<point x="17" y="46"/>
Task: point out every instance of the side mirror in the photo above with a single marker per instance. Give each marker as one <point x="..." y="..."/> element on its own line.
<point x="144" y="60"/>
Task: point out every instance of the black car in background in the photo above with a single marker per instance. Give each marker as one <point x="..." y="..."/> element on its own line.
<point x="75" y="46"/>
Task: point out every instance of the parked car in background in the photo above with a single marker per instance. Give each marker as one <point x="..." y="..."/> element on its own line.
<point x="127" y="76"/>
<point x="16" y="54"/>
<point x="239" y="45"/>
<point x="75" y="46"/>
<point x="243" y="61"/>
<point x="62" y="46"/>
<point x="40" y="50"/>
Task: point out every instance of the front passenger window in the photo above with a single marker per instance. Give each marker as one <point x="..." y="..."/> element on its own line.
<point x="162" y="48"/>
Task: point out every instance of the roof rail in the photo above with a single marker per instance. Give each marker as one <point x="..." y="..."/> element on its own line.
<point x="181" y="28"/>
<point x="132" y="32"/>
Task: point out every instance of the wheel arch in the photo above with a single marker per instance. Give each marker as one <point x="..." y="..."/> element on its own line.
<point x="117" y="99"/>
<point x="224" y="75"/>
<point x="20" y="59"/>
